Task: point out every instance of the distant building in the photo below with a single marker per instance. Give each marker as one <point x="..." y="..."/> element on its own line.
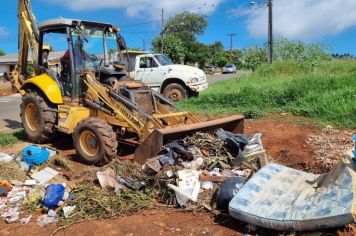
<point x="9" y="61"/>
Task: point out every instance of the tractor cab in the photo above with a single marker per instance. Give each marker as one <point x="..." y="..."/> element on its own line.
<point x="88" y="46"/>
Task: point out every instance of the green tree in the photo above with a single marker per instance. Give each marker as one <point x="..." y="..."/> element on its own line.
<point x="186" y="26"/>
<point x="253" y="57"/>
<point x="229" y="57"/>
<point x="172" y="46"/>
<point x="29" y="68"/>
<point x="186" y="23"/>
<point x="2" y="53"/>
<point x="213" y="50"/>
<point x="311" y="54"/>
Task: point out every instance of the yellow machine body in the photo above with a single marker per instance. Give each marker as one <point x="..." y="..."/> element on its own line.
<point x="47" y="86"/>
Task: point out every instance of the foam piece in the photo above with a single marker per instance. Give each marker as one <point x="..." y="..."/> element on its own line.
<point x="281" y="198"/>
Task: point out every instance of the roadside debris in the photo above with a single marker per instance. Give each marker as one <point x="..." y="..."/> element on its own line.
<point x="203" y="161"/>
<point x="202" y="171"/>
<point x="5" y="158"/>
<point x="47" y="219"/>
<point x="281" y="198"/>
<point x="45" y="175"/>
<point x="26" y="220"/>
<point x="107" y="180"/>
<point x="55" y="195"/>
<point x="68" y="210"/>
<point x="188" y="186"/>
<point x="34" y="155"/>
<point x="5" y="187"/>
<point x="227" y="191"/>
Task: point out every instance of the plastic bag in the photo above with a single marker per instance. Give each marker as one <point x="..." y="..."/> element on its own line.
<point x="227" y="191"/>
<point x="54" y="195"/>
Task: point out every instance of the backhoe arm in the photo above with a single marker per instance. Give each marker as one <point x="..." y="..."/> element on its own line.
<point x="28" y="35"/>
<point x="27" y="42"/>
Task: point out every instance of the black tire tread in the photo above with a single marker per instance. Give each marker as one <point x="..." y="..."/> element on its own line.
<point x="48" y="113"/>
<point x="107" y="135"/>
<point x="184" y="90"/>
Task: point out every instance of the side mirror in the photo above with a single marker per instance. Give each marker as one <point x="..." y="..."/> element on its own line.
<point x="45" y="58"/>
<point x="121" y="42"/>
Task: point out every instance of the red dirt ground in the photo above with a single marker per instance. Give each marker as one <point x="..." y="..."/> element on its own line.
<point x="284" y="142"/>
<point x="5" y="89"/>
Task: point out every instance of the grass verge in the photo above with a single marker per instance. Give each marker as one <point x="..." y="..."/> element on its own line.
<point x="12" y="138"/>
<point x="327" y="94"/>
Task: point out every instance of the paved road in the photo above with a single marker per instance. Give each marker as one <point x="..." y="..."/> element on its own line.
<point x="10" y="105"/>
<point x="10" y="112"/>
<point x="218" y="77"/>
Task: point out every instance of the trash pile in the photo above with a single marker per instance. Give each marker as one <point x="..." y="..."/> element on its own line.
<point x="40" y="180"/>
<point x="196" y="166"/>
<point x="210" y="171"/>
<point x="187" y="173"/>
<point x="26" y="185"/>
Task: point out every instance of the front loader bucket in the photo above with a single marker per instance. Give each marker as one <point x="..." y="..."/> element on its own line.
<point x="155" y="141"/>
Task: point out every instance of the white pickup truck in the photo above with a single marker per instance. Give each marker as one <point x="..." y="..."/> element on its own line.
<point x="174" y="81"/>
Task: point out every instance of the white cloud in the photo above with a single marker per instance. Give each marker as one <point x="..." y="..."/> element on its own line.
<point x="304" y="19"/>
<point x="145" y="8"/>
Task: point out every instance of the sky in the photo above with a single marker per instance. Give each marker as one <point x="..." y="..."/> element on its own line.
<point x="330" y="22"/>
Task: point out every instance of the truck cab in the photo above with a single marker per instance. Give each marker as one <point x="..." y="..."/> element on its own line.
<point x="174" y="81"/>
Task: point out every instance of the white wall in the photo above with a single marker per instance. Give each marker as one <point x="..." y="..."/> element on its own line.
<point x="3" y="69"/>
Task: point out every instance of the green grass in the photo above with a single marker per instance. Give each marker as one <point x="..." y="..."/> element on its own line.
<point x="327" y="94"/>
<point x="12" y="138"/>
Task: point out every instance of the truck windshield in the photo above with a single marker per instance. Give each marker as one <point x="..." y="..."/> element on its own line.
<point x="163" y="60"/>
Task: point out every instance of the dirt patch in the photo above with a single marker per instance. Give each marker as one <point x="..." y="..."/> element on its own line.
<point x="329" y="147"/>
<point x="148" y="222"/>
<point x="302" y="147"/>
<point x="6" y="89"/>
<point x="285" y="141"/>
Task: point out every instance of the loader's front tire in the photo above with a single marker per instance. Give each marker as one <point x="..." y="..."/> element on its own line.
<point x="95" y="141"/>
<point x="38" y="117"/>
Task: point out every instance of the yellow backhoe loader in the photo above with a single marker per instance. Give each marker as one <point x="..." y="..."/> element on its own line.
<point x="91" y="97"/>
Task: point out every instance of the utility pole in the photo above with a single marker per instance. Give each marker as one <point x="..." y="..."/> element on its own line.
<point x="231" y="40"/>
<point x="162" y="28"/>
<point x="270" y="31"/>
<point x="144" y="44"/>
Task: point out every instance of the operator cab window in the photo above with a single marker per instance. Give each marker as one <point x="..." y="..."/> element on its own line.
<point x="56" y="59"/>
<point x="148" y="62"/>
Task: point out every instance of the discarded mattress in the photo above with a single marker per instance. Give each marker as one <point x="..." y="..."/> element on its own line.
<point x="281" y="198"/>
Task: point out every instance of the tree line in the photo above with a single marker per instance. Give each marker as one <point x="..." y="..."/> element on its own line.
<point x="181" y="45"/>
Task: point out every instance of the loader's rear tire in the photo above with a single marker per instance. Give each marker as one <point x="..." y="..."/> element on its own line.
<point x="175" y="92"/>
<point x="38" y="117"/>
<point x="95" y="141"/>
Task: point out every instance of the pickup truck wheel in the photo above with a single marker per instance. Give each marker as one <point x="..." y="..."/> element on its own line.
<point x="95" y="141"/>
<point x="175" y="92"/>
